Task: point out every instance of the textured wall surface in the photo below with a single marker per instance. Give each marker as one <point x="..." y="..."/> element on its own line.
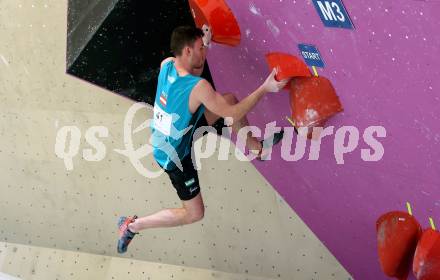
<point x="386" y="74"/>
<point x="249" y="231"/>
<point x="85" y="17"/>
<point x="30" y="262"/>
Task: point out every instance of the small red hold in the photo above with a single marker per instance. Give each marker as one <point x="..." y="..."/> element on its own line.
<point x="397" y="237"/>
<point x="426" y="265"/>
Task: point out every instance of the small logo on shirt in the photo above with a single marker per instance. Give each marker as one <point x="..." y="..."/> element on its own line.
<point x="171" y="79"/>
<point x="163" y="98"/>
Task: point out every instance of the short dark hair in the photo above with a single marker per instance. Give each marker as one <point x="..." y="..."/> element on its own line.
<point x="183" y="36"/>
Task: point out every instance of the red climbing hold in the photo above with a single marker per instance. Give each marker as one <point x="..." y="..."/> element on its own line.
<point x="288" y="66"/>
<point x="218" y="15"/>
<point x="426" y="265"/>
<point x="397" y="237"/>
<point x="313" y="100"/>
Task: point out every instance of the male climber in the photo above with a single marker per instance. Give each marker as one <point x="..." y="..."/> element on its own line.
<point x="185" y="100"/>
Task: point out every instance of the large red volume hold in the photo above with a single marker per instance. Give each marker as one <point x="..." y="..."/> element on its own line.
<point x="218" y="15"/>
<point x="313" y="100"/>
<point x="397" y="237"/>
<point x="426" y="265"/>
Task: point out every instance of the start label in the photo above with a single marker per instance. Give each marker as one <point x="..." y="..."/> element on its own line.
<point x="311" y="55"/>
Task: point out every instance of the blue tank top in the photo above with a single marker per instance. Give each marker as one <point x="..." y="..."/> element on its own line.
<point x="173" y="125"/>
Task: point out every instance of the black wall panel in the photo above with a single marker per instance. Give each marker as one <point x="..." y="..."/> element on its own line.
<point x="125" y="52"/>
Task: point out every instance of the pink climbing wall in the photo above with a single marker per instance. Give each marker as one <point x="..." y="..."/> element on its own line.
<point x="387" y="73"/>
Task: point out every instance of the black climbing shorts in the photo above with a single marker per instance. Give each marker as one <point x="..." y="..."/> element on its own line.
<point x="218" y="125"/>
<point x="185" y="182"/>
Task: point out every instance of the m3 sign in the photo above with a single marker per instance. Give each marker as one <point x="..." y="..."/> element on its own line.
<point x="333" y="13"/>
